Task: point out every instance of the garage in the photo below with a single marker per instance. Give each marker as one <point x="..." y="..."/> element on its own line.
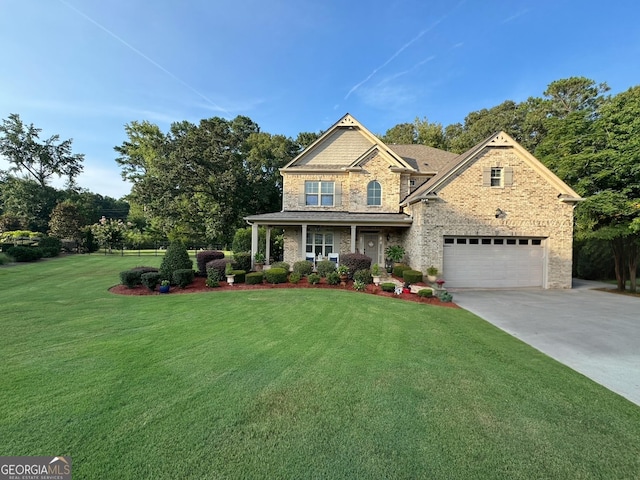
<point x="493" y="262"/>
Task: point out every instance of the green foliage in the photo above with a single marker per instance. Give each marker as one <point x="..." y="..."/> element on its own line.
<point x="333" y="278"/>
<point x="294" y="278"/>
<point x="363" y="276"/>
<point x="219" y="265"/>
<point x="50" y="246"/>
<point x="284" y="265"/>
<point x="325" y="267"/>
<point x="5" y="259"/>
<point x="412" y="276"/>
<point x="175" y="258"/>
<point x="20" y="237"/>
<point x="254" y="278"/>
<point x="205" y="256"/>
<point x="425" y="292"/>
<point x="228" y="268"/>
<point x="303" y="267"/>
<point x="359" y="285"/>
<point x="355" y="262"/>
<point x="131" y="278"/>
<point x="239" y="275"/>
<point x="150" y="280"/>
<point x="395" y="253"/>
<point x="66" y="221"/>
<point x="182" y="277"/>
<point x="388" y="286"/>
<point x="109" y="232"/>
<point x="25" y="254"/>
<point x="445" y="296"/>
<point x="313" y="278"/>
<point x="242" y="260"/>
<point x="593" y="259"/>
<point x="213" y="276"/>
<point x="276" y="275"/>
<point x="432" y="271"/>
<point x="399" y="269"/>
<point x="375" y="270"/>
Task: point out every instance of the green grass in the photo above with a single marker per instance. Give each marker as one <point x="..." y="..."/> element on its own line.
<point x="280" y="383"/>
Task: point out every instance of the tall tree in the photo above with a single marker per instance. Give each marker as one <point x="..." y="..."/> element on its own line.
<point x="66" y="221"/>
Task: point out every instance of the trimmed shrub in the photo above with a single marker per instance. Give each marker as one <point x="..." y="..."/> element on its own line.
<point x="284" y="265"/>
<point x="150" y="280"/>
<point x="183" y="277"/>
<point x="205" y="256"/>
<point x="333" y="278"/>
<point x="446" y="297"/>
<point x="425" y="292"/>
<point x="176" y="258"/>
<point x="388" y="287"/>
<point x="4" y="259"/>
<point x="359" y="285"/>
<point x="220" y="265"/>
<point x="325" y="267"/>
<point x="294" y="277"/>
<point x="143" y="269"/>
<point x="213" y="277"/>
<point x="303" y="267"/>
<point x="355" y="262"/>
<point x="276" y="275"/>
<point x="399" y="269"/>
<point x="239" y="275"/>
<point x="131" y="278"/>
<point x="242" y="261"/>
<point x="25" y="254"/>
<point x="254" y="278"/>
<point x="50" y="246"/>
<point x="363" y="276"/>
<point x="412" y="276"/>
<point x="313" y="278"/>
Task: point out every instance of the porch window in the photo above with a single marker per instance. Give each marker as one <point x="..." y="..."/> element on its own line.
<point x="319" y="193"/>
<point x="374" y="193"/>
<point x="320" y="243"/>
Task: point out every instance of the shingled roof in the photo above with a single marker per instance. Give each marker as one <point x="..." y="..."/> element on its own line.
<point x="423" y="158"/>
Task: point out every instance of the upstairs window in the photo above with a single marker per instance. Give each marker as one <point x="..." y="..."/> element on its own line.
<point x="319" y="193"/>
<point x="374" y="193"/>
<point x="496" y="177"/>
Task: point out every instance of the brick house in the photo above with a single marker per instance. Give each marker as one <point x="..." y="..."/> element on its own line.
<point x="493" y="216"/>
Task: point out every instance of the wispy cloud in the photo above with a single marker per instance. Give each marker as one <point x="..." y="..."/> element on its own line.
<point x="409" y="70"/>
<point x="516" y="15"/>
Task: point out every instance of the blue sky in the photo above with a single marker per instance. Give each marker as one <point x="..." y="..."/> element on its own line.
<point x="84" y="68"/>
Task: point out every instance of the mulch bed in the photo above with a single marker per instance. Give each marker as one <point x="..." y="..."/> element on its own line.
<point x="198" y="286"/>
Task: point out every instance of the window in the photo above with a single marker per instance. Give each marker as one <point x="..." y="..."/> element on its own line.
<point x="319" y="243"/>
<point x="496" y="177"/>
<point x="319" y="193"/>
<point x="374" y="193"/>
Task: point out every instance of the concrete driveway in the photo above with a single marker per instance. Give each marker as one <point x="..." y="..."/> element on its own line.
<point x="595" y="333"/>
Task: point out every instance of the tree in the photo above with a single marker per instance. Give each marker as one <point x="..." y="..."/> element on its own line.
<point x="29" y="201"/>
<point x="109" y="232"/>
<point x="574" y="94"/>
<point x="66" y="221"/>
<point x="20" y="145"/>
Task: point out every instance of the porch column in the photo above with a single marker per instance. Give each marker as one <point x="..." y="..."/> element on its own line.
<point x="254" y="244"/>
<point x="303" y="242"/>
<point x="353" y="239"/>
<point x="267" y="251"/>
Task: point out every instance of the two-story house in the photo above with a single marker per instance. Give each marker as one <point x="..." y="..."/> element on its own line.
<point x="493" y="216"/>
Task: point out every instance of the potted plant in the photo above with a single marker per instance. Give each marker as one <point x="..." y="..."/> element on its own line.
<point x="259" y="261"/>
<point x="375" y="273"/>
<point x="165" y="285"/>
<point x="432" y="274"/>
<point x="228" y="271"/>
<point x="343" y="271"/>
<point x="395" y="253"/>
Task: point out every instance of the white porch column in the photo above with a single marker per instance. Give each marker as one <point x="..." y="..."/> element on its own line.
<point x="353" y="239"/>
<point x="267" y="251"/>
<point x="254" y="244"/>
<point x="303" y="243"/>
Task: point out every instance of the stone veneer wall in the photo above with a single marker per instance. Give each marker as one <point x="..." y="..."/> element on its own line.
<point x="466" y="208"/>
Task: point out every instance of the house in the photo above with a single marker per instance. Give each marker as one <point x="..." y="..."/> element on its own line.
<point x="491" y="217"/>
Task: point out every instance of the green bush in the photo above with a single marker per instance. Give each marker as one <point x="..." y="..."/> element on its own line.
<point x="425" y="292"/>
<point x="254" y="278"/>
<point x="355" y="262"/>
<point x="205" y="256"/>
<point x="325" y="267"/>
<point x="388" y="286"/>
<point x="213" y="277"/>
<point x="183" y="277"/>
<point x="276" y="275"/>
<point x="294" y="277"/>
<point x="412" y="276"/>
<point x="143" y="269"/>
<point x="359" y="285"/>
<point x="446" y="297"/>
<point x="175" y="258"/>
<point x="399" y="269"/>
<point x="242" y="261"/>
<point x="4" y="259"/>
<point x="25" y="254"/>
<point x="284" y="265"/>
<point x="131" y="278"/>
<point x="220" y="265"/>
<point x="363" y="276"/>
<point x="333" y="278"/>
<point x="239" y="275"/>
<point x="150" y="280"/>
<point x="50" y="246"/>
<point x="313" y="278"/>
<point x="303" y="267"/>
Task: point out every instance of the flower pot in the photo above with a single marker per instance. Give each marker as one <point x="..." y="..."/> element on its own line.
<point x="164" y="288"/>
<point x="432" y="278"/>
<point x="259" y="266"/>
<point x="376" y="280"/>
<point x="343" y="279"/>
<point x="230" y="279"/>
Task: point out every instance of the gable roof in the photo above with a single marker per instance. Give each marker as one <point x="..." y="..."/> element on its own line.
<point x="423" y="158"/>
<point x="459" y="163"/>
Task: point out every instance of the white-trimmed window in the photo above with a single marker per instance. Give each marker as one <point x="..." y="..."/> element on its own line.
<point x="320" y="243"/>
<point x="374" y="193"/>
<point x="319" y="193"/>
<point x="496" y="177"/>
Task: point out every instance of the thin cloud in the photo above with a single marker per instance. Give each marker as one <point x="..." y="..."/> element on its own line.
<point x="516" y="15"/>
<point x="409" y="70"/>
<point x="148" y="59"/>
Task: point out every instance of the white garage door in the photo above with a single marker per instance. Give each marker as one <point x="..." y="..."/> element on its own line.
<point x="493" y="262"/>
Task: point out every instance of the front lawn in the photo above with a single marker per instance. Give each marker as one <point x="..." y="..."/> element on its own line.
<point x="298" y="383"/>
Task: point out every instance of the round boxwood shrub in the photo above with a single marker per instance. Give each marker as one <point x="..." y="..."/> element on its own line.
<point x="205" y="256"/>
<point x="425" y="292"/>
<point x="254" y="278"/>
<point x="363" y="276"/>
<point x="276" y="275"/>
<point x="131" y="278"/>
<point x="50" y="246"/>
<point x="143" y="269"/>
<point x="21" y="253"/>
<point x="183" y="277"/>
<point x="150" y="280"/>
<point x="242" y="261"/>
<point x="294" y="277"/>
<point x="399" y="268"/>
<point x="412" y="276"/>
<point x="325" y="267"/>
<point x="313" y="278"/>
<point x="333" y="278"/>
<point x="284" y="265"/>
<point x="303" y="267"/>
<point x="175" y="258"/>
<point x="239" y="275"/>
<point x="355" y="262"/>
<point x="388" y="286"/>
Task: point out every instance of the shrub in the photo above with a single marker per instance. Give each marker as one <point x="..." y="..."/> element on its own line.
<point x="150" y="280"/>
<point x="325" y="267"/>
<point x="143" y="269"/>
<point x="412" y="276"/>
<point x="254" y="278"/>
<point x="359" y="285"/>
<point x="242" y="261"/>
<point x="363" y="276"/>
<point x="50" y="246"/>
<point x="399" y="269"/>
<point x="131" y="278"/>
<point x="313" y="278"/>
<point x="333" y="278"/>
<point x="425" y="292"/>
<point x="284" y="265"/>
<point x="446" y="297"/>
<point x="4" y="259"/>
<point x="25" y="254"/>
<point x="388" y="287"/>
<point x="395" y="253"/>
<point x="220" y="265"/>
<point x="303" y="267"/>
<point x="276" y="275"/>
<point x="239" y="275"/>
<point x="355" y="262"/>
<point x="176" y="258"/>
<point x="205" y="256"/>
<point x="213" y="277"/>
<point x="183" y="277"/>
<point x="294" y="277"/>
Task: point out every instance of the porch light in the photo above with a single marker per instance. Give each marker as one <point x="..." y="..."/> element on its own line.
<point x="500" y="213"/>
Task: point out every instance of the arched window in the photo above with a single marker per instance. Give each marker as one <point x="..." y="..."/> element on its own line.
<point x="374" y="193"/>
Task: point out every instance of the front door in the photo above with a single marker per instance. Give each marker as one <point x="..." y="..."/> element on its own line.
<point x="371" y="247"/>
